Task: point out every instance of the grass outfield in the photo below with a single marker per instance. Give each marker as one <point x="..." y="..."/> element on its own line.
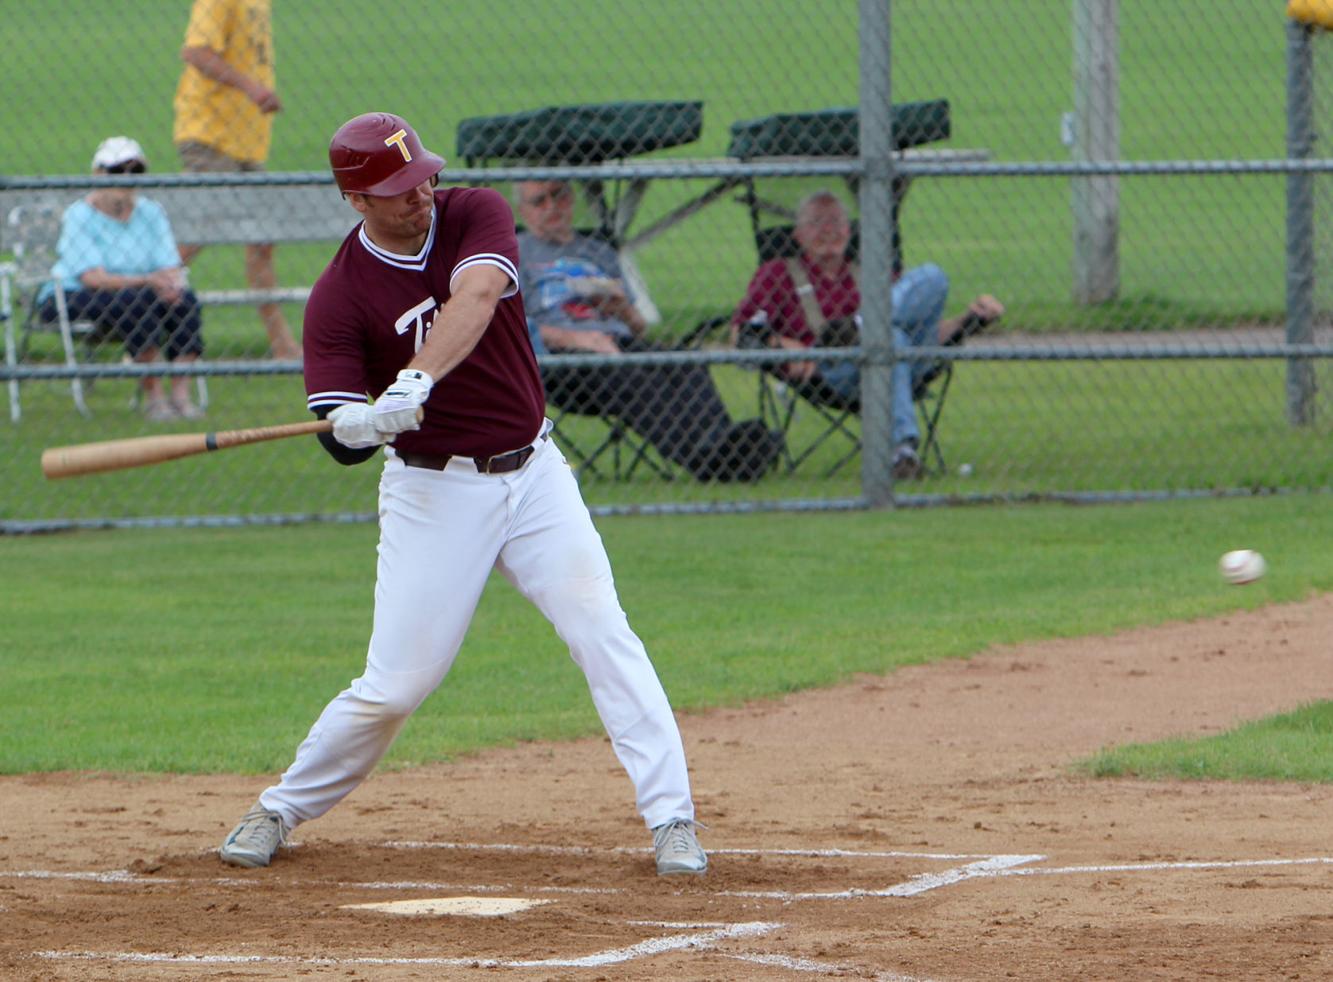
<point x="1198" y="80"/>
<point x="213" y="650"/>
<point x="1294" y="746"/>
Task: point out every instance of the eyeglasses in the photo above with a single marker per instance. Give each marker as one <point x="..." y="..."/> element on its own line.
<point x="557" y="195"/>
<point x="128" y="167"/>
<point x="835" y="220"/>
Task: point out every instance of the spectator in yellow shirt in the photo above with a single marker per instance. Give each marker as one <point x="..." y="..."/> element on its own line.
<point x="224" y="119"/>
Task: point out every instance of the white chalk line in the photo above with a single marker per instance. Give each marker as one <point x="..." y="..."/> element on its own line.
<point x="113" y="876"/>
<point x="680" y="925"/>
<point x="621" y="850"/>
<point x="712" y="932"/>
<point x="822" y="968"/>
<point x="920" y="883"/>
<point x="140" y="879"/>
<point x="1149" y="867"/>
<point x="612" y="956"/>
<point x="993" y="866"/>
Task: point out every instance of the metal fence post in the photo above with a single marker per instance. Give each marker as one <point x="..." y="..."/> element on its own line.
<point x="1096" y="200"/>
<point x="1300" y="224"/>
<point x="876" y="204"/>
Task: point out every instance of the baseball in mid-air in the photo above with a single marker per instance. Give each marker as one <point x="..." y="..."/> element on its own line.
<point x="1241" y="566"/>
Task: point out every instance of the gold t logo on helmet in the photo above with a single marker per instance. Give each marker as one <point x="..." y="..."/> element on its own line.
<point x="399" y="140"/>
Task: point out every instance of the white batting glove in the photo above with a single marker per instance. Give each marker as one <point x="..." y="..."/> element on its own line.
<point x="398" y="409"/>
<point x="354" y="426"/>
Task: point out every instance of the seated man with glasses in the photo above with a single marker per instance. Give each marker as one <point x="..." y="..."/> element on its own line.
<point x="578" y="303"/>
<point x="119" y="267"/>
<point x="813" y="300"/>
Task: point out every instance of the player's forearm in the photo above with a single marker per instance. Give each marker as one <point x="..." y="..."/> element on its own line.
<point x="458" y="327"/>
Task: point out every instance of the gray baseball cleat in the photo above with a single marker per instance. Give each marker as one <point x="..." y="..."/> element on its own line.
<point x="678" y="849"/>
<point x="255" y="840"/>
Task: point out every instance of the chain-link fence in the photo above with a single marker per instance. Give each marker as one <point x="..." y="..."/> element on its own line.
<point x="1094" y="233"/>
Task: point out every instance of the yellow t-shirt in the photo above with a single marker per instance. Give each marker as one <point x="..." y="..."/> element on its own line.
<point x="218" y="115"/>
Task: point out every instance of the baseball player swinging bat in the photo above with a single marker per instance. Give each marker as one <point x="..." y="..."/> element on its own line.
<point x="115" y="455"/>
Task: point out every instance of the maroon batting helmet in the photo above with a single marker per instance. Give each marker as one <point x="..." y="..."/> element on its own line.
<point x="380" y="154"/>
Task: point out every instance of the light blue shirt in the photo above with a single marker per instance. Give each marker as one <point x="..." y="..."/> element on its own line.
<point x="535" y="336"/>
<point x="90" y="239"/>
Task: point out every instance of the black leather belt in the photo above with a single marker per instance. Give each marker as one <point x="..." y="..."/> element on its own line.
<point x="505" y="463"/>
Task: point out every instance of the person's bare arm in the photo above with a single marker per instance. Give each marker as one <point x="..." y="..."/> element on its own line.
<point x="985" y="307"/>
<point x="615" y="303"/>
<point x="568" y="339"/>
<point x="214" y="66"/>
<point x="797" y="371"/>
<point x="167" y="283"/>
<point x="98" y="278"/>
<point x="458" y="326"/>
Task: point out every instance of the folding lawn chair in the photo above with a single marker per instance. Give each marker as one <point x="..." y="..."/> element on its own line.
<point x="781" y="399"/>
<point x="591" y="134"/>
<point x="822" y="134"/>
<point x="33" y="231"/>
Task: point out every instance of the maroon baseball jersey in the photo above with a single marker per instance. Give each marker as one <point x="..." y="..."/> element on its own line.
<point x="370" y="310"/>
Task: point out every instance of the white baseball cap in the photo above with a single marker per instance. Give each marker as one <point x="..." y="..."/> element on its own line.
<point x="117" y="150"/>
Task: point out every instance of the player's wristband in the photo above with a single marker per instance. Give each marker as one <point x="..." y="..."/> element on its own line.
<point x="412" y="386"/>
<point x="416" y="376"/>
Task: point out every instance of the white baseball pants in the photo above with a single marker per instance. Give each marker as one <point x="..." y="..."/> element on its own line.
<point x="441" y="533"/>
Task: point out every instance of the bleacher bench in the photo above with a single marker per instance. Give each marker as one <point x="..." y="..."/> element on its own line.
<point x="209" y="216"/>
<point x="236" y="216"/>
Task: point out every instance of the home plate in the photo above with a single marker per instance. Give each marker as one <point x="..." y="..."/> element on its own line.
<point x="452" y="906"/>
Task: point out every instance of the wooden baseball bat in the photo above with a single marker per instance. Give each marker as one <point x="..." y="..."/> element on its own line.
<point x="115" y="455"/>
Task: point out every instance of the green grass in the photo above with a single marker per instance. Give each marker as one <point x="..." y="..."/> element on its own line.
<point x="214" y="650"/>
<point x="733" y="608"/>
<point x="1026" y="428"/>
<point x="1294" y="746"/>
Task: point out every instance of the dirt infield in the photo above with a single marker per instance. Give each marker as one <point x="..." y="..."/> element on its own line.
<point x="924" y="825"/>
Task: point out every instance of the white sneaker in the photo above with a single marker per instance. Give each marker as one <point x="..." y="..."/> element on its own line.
<point x="159" y="411"/>
<point x="256" y="839"/>
<point x="185" y="409"/>
<point x="678" y="849"/>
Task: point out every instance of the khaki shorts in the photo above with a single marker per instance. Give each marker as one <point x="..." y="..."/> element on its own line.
<point x="200" y="157"/>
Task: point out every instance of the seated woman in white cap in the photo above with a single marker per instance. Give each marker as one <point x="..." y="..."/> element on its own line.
<point x="119" y="267"/>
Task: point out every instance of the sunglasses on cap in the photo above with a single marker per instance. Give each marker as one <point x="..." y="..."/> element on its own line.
<point x="128" y="167"/>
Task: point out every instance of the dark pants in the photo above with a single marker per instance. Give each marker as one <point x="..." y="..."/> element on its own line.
<point x="137" y="315"/>
<point x="676" y="408"/>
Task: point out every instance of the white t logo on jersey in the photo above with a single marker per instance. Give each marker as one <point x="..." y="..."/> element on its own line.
<point x="417" y="317"/>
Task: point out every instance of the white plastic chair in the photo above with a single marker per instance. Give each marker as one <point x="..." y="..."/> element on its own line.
<point x="34" y="232"/>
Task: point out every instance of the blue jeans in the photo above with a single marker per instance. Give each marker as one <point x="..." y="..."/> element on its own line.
<point x="918" y="302"/>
